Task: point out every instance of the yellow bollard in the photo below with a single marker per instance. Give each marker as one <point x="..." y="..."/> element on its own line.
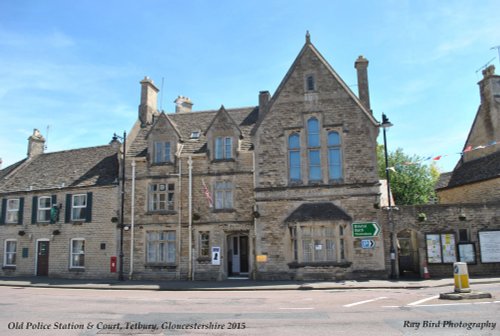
<point x="461" y="277"/>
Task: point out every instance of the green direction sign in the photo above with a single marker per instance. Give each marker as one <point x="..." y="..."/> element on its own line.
<point x="368" y="229"/>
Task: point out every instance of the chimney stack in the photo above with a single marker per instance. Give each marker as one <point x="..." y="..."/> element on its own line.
<point x="361" y="66"/>
<point x="264" y="97"/>
<point x="149" y="101"/>
<point x="183" y="104"/>
<point x="36" y="144"/>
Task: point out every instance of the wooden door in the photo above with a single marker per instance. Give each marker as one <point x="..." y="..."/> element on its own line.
<point x="42" y="265"/>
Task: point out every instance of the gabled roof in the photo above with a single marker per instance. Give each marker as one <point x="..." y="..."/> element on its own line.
<point x="163" y="116"/>
<point x="243" y="118"/>
<point x="221" y="113"/>
<point x="317" y="212"/>
<point x="94" y="166"/>
<point x="484" y="168"/>
<point x="309" y="46"/>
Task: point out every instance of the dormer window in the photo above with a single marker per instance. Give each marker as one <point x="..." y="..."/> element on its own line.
<point x="195" y="135"/>
<point x="161" y="152"/>
<point x="223" y="148"/>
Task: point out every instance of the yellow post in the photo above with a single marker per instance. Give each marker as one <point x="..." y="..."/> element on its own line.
<point x="461" y="277"/>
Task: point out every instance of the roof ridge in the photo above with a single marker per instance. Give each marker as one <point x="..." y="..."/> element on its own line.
<point x="212" y="111"/>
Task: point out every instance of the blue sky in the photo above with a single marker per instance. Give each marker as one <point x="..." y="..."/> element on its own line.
<point x="76" y="65"/>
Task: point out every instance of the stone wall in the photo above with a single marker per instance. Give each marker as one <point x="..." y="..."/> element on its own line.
<point x="441" y="219"/>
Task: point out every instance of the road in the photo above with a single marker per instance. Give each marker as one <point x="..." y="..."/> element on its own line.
<point x="50" y="311"/>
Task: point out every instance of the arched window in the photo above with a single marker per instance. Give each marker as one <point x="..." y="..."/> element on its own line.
<point x="313" y="148"/>
<point x="294" y="156"/>
<point x="334" y="156"/>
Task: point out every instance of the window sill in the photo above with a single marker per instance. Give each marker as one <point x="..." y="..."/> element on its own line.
<point x="77" y="269"/>
<point x="166" y="163"/>
<point x="161" y="212"/>
<point x="223" y="160"/>
<point x="204" y="260"/>
<point x="343" y="264"/>
<point x="76" y="222"/>
<point x="223" y="210"/>
<point x="9" y="267"/>
<point x="161" y="266"/>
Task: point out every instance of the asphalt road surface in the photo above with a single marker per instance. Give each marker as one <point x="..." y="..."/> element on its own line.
<point x="47" y="311"/>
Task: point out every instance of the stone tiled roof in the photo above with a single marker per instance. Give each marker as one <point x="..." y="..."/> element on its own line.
<point x="72" y="168"/>
<point x="317" y="212"/>
<point x="188" y="122"/>
<point x="481" y="169"/>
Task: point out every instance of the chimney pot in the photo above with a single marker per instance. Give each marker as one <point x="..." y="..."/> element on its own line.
<point x="183" y="104"/>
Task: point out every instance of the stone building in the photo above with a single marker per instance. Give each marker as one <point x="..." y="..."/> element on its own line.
<point x="56" y="212"/>
<point x="465" y="226"/>
<point x="266" y="192"/>
<point x="476" y="177"/>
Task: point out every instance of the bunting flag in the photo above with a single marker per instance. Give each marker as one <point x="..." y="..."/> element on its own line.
<point x="439" y="157"/>
<point x="207" y="194"/>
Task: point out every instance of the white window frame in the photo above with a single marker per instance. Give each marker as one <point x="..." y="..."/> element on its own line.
<point x="73" y="255"/>
<point x="223" y="195"/>
<point x="81" y="213"/>
<point x="12" y="213"/>
<point x="43" y="210"/>
<point x="161" y="197"/>
<point x="161" y="247"/>
<point x="7" y="253"/>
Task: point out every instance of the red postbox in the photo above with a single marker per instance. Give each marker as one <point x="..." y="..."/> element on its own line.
<point x="112" y="265"/>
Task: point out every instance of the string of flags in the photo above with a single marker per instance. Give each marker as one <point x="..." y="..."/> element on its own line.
<point x="439" y="157"/>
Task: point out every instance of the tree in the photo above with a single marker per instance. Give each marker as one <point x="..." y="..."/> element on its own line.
<point x="411" y="181"/>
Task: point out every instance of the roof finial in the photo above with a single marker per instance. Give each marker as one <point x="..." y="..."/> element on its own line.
<point x="308" y="37"/>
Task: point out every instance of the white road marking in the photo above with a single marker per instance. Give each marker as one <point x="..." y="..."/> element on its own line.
<point x="363" y="302"/>
<point x="445" y="304"/>
<point x="423" y="300"/>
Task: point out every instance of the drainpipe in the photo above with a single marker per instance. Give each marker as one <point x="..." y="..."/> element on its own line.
<point x="132" y="222"/>
<point x="179" y="247"/>
<point x="190" y="217"/>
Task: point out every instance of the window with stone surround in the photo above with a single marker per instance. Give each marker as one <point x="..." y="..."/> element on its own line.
<point x="223" y="195"/>
<point x="204" y="240"/>
<point x="161" y="247"/>
<point x="162" y="152"/>
<point x="334" y="157"/>
<point x="10" y="253"/>
<point x="223" y="148"/>
<point x="310" y="83"/>
<point x="77" y="258"/>
<point x="317" y="244"/>
<point x="314" y="149"/>
<point x="294" y="157"/>
<point x="161" y="197"/>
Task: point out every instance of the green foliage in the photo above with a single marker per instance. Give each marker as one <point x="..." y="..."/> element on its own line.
<point x="412" y="182"/>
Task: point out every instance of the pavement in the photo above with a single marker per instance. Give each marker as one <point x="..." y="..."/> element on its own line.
<point x="233" y="284"/>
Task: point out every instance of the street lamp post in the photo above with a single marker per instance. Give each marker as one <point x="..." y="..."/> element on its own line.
<point x="386" y="124"/>
<point x="122" y="205"/>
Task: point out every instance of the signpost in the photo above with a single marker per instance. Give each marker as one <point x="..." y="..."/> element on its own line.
<point x="368" y="229"/>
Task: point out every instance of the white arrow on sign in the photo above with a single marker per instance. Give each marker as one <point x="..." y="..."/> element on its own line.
<point x="367" y="244"/>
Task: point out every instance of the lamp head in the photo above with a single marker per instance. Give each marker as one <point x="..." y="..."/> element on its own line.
<point x="385" y="122"/>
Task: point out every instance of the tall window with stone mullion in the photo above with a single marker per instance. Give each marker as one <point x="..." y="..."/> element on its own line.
<point x="294" y="157"/>
<point x="223" y="148"/>
<point x="314" y="149"/>
<point x="334" y="156"/>
<point x="161" y="247"/>
<point x="162" y="152"/>
<point x="161" y="197"/>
